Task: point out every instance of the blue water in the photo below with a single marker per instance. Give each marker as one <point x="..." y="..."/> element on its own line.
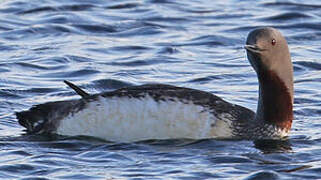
<point x="105" y="45"/>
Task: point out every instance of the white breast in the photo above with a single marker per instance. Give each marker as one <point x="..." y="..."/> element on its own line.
<point x="124" y="119"/>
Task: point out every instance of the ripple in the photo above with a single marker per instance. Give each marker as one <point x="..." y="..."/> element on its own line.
<point x="137" y="62"/>
<point x="78" y="59"/>
<point x="168" y="50"/>
<point x="40" y="31"/>
<point x="206" y="79"/>
<point x="204" y="40"/>
<point x="31" y="66"/>
<point x="131" y="63"/>
<point x="309" y="65"/>
<point x="76" y="176"/>
<point x="229" y="160"/>
<point x="162" y="2"/>
<point x="94" y="28"/>
<point x="76" y="7"/>
<point x="166" y="19"/>
<point x="263" y="175"/>
<point x="293" y="5"/>
<point x="311" y="36"/>
<point x="17" y="168"/>
<point x="287" y="16"/>
<point x="123" y="6"/>
<point x="71" y="74"/>
<point x="110" y="84"/>
<point x="9" y="94"/>
<point x="140" y="31"/>
<point x="19" y="94"/>
<point x="128" y="49"/>
<point x="313" y="26"/>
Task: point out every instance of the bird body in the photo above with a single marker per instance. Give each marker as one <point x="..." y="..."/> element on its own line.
<point x="158" y="111"/>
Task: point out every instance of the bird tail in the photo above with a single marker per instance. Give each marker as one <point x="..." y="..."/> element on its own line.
<point x="77" y="89"/>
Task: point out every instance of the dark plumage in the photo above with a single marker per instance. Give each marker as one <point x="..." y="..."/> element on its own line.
<point x="267" y="52"/>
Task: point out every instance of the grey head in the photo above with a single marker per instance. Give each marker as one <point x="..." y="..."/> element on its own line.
<point x="268" y="53"/>
<point x="267" y="50"/>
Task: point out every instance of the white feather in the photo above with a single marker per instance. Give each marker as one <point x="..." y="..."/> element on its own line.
<point x="133" y="119"/>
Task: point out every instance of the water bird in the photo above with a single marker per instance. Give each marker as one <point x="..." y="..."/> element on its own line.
<point x="160" y="111"/>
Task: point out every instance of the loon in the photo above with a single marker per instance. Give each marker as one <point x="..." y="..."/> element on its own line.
<point x="159" y="111"/>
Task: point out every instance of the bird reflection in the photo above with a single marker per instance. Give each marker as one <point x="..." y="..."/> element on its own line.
<point x="273" y="146"/>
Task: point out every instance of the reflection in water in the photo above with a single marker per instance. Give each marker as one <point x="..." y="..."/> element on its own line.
<point x="273" y="146"/>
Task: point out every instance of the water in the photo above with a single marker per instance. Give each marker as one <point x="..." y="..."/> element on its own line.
<point x="105" y="45"/>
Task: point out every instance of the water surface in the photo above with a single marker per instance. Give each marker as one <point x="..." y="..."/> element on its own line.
<point x="105" y="45"/>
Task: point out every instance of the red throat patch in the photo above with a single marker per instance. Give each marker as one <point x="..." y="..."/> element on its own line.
<point x="277" y="101"/>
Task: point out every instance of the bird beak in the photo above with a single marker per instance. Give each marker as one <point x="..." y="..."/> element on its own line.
<point x="253" y="48"/>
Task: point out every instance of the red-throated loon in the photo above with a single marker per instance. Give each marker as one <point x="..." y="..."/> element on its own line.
<point x="157" y="111"/>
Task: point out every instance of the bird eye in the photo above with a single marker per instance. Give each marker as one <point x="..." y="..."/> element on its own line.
<point x="273" y="42"/>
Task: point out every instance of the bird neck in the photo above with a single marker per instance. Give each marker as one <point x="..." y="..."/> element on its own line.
<point x="275" y="100"/>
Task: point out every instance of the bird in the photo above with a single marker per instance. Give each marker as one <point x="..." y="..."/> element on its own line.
<point x="161" y="111"/>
